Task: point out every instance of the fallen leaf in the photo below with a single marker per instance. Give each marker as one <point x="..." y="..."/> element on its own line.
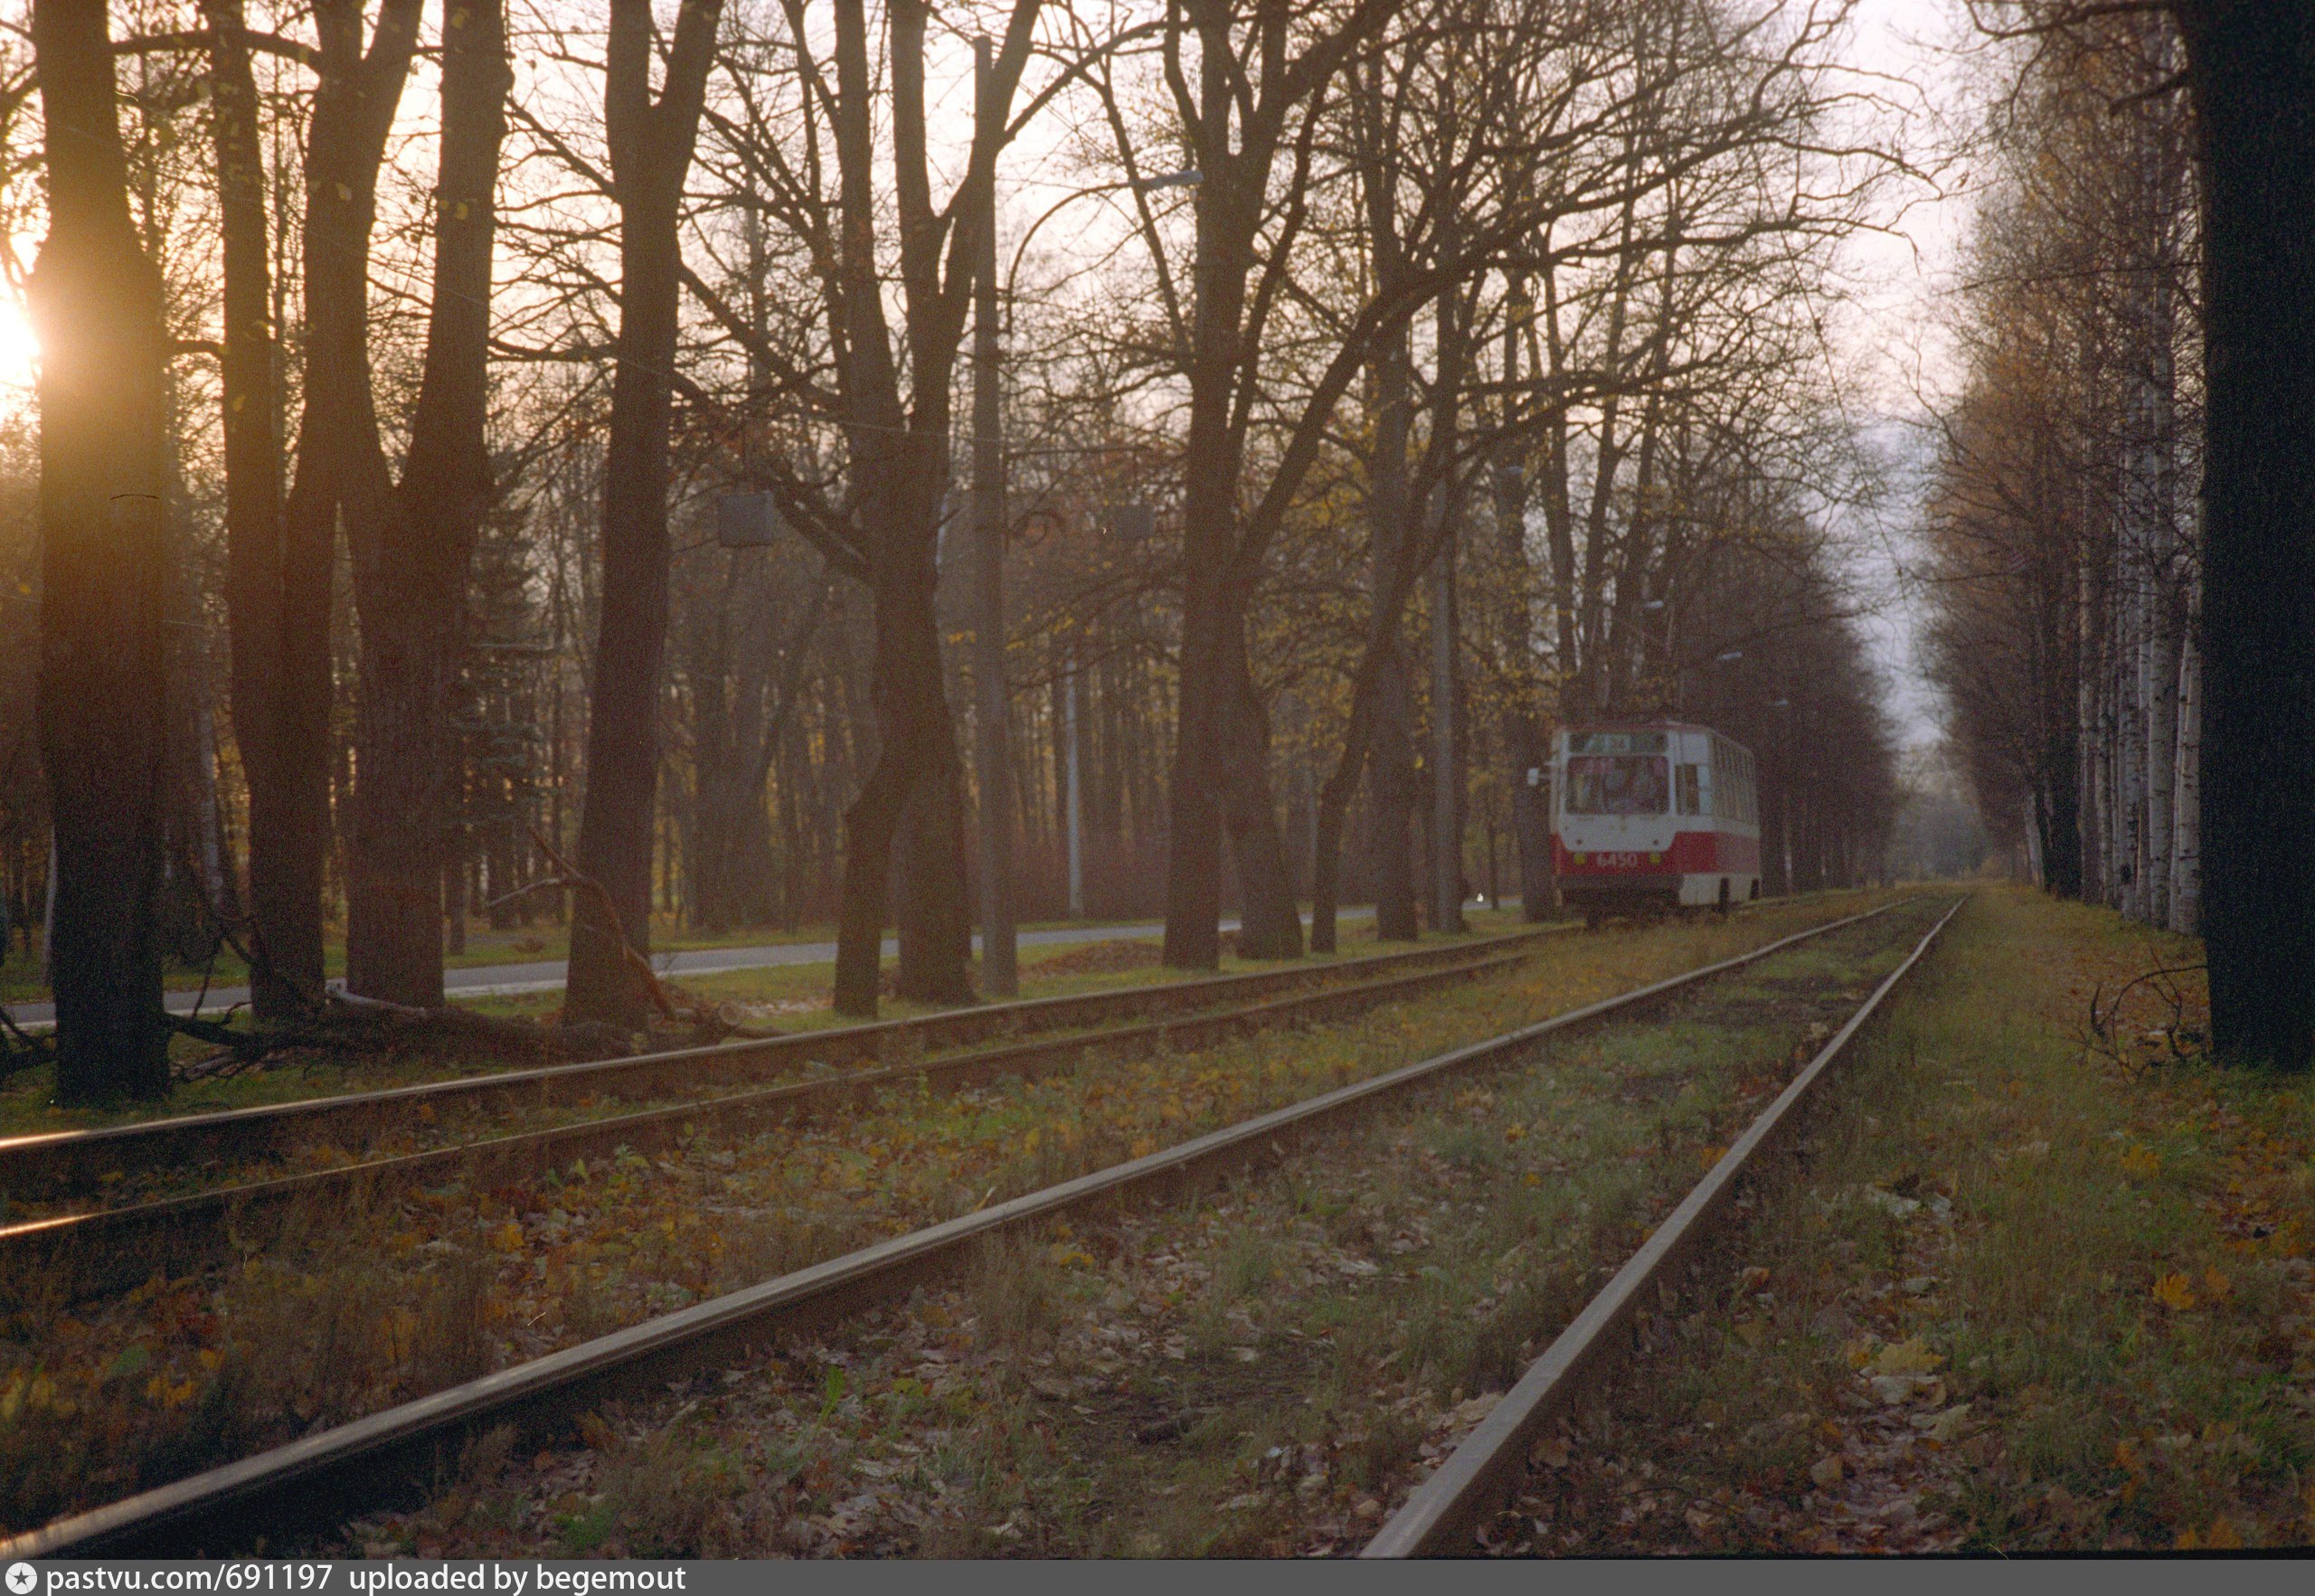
<point x="1911" y="1356"/>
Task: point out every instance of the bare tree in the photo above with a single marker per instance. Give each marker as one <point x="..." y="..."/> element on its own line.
<point x="651" y="141"/>
<point x="412" y="544"/>
<point x="97" y="301"/>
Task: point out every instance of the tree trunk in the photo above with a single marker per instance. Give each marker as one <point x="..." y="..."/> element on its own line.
<point x="284" y="901"/>
<point x="2089" y="802"/>
<point x="651" y="143"/>
<point x="2252" y="66"/>
<point x="2185" y="805"/>
<point x="413" y="548"/>
<point x="1213" y="606"/>
<point x="899" y="451"/>
<point x="1390" y="772"/>
<point x="353" y="110"/>
<point x="1327" y="824"/>
<point x="1270" y="926"/>
<point x="1446" y="765"/>
<point x="1194" y="849"/>
<point x="1521" y="725"/>
<point x="909" y="810"/>
<point x="97" y="305"/>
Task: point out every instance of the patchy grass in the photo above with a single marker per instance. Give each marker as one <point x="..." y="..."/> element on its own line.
<point x="792" y="997"/>
<point x="786" y="997"/>
<point x="595" y="1246"/>
<point x="2031" y="1295"/>
<point x="1257" y="1372"/>
<point x="21" y="980"/>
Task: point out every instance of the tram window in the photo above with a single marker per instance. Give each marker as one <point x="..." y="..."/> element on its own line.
<point x="1616" y="784"/>
<point x="1690" y="791"/>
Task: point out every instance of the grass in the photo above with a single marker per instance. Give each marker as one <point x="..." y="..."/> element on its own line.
<point x="790" y="998"/>
<point x="21" y="980"/>
<point x="595" y="1246"/>
<point x="2032" y="1296"/>
<point x="1248" y="1372"/>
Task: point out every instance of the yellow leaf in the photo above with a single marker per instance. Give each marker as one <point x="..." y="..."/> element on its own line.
<point x="2142" y="1162"/>
<point x="2218" y="1284"/>
<point x="2173" y="1292"/>
<point x="509" y="1238"/>
<point x="1515" y="1133"/>
<point x="2223" y="1536"/>
<point x="1905" y="1357"/>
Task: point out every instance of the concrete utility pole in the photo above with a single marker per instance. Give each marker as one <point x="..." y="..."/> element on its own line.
<point x="999" y="972"/>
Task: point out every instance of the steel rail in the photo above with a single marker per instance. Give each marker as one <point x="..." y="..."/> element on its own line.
<point x="112" y="1249"/>
<point x="385" y="1456"/>
<point x="57" y="1164"/>
<point x="1442" y="1515"/>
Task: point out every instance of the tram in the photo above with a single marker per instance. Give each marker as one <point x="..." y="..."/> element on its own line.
<point x="1648" y="817"/>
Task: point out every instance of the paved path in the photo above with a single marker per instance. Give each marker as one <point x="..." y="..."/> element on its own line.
<point x="507" y="981"/>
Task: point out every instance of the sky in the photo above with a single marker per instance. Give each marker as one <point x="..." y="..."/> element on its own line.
<point x="1900" y="362"/>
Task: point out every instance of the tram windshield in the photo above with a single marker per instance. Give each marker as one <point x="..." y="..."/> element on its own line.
<point x="1617" y="784"/>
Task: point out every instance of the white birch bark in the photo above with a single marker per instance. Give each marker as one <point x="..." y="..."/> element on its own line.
<point x="2124" y="722"/>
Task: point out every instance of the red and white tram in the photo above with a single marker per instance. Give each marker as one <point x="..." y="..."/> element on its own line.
<point x="1653" y="815"/>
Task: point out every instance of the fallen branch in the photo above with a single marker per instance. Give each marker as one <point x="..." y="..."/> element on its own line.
<point x="2104" y="1036"/>
<point x="347" y="1025"/>
<point x="709" y="1021"/>
<point x="21" y="1051"/>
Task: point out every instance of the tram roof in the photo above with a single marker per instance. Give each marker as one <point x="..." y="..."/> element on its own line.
<point x="1575" y="726"/>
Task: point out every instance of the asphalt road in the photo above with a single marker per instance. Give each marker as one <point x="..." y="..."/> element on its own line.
<point x="505" y="980"/>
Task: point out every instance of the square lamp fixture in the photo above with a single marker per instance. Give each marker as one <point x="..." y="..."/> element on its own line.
<point x="1132" y="523"/>
<point x="748" y="520"/>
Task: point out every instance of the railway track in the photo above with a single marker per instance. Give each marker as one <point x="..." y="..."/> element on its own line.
<point x="1442" y="1517"/>
<point x="323" y="1477"/>
<point x="63" y="1165"/>
<point x="79" y="1255"/>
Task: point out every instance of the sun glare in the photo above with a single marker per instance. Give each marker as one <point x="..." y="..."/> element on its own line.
<point x="18" y="350"/>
